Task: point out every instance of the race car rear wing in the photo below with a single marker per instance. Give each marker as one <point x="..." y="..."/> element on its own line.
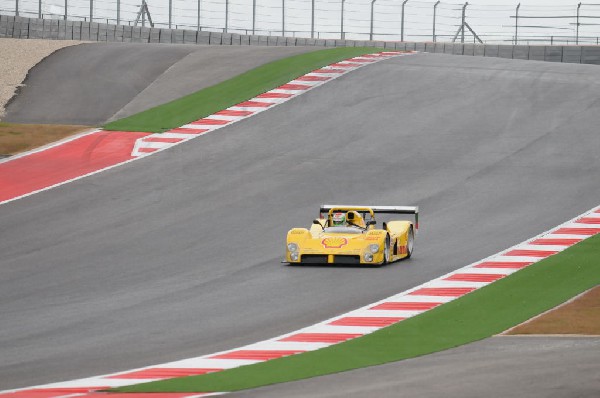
<point x="378" y="209"/>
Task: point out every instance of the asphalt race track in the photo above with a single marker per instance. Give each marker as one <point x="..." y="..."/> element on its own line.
<point x="178" y="254"/>
<point x="91" y="83"/>
<point x="532" y="367"/>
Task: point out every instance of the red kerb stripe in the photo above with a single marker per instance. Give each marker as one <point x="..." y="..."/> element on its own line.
<point x="141" y="395"/>
<point x="589" y="220"/>
<point x="257" y="355"/>
<point x="183" y="130"/>
<point x="49" y="392"/>
<point x="442" y="291"/>
<point x="366" y="321"/>
<point x="313" y="78"/>
<point x="163" y="373"/>
<point x="475" y="277"/>
<point x="329" y="71"/>
<point x="275" y="95"/>
<point x="229" y="112"/>
<point x="531" y="253"/>
<point x="211" y="122"/>
<point x="503" y="264"/>
<point x="295" y="87"/>
<point x="405" y="306"/>
<point x="147" y="150"/>
<point x="361" y="60"/>
<point x="578" y="231"/>
<point x="321" y="337"/>
<point x="348" y="65"/>
<point x="254" y="104"/>
<point x="161" y="139"/>
<point x="558" y="242"/>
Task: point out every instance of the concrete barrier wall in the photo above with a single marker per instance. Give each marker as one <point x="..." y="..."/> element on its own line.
<point x="32" y="28"/>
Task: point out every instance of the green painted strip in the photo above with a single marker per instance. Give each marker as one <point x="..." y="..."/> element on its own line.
<point x="478" y="315"/>
<point x="233" y="91"/>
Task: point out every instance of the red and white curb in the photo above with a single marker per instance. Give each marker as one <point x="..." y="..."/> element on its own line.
<point x="360" y="322"/>
<point x="258" y="104"/>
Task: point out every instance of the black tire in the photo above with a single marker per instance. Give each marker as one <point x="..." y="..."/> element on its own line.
<point x="386" y="250"/>
<point x="410" y="242"/>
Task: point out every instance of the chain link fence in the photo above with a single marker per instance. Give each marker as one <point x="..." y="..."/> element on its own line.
<point x="400" y="20"/>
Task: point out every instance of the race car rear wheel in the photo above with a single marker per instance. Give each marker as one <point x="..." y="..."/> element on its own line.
<point x="410" y="242"/>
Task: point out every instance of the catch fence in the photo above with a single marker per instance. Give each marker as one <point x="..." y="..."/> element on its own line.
<point x="386" y="20"/>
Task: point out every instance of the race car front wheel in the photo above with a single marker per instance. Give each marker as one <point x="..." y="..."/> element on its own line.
<point x="386" y="250"/>
<point x="410" y="242"/>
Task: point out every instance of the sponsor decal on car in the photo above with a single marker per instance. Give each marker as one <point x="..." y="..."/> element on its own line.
<point x="334" y="242"/>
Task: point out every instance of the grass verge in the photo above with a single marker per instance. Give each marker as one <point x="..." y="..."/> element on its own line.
<point x="480" y="314"/>
<point x="15" y="138"/>
<point x="233" y="91"/>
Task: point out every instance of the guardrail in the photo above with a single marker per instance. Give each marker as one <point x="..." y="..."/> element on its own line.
<point x="58" y="29"/>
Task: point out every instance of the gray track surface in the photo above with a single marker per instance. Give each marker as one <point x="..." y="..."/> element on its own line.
<point x="524" y="367"/>
<point x="88" y="84"/>
<point x="177" y="255"/>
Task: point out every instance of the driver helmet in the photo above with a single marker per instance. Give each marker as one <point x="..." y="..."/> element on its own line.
<point x="339" y="219"/>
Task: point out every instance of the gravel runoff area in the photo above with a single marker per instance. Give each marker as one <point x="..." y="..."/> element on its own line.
<point x="18" y="57"/>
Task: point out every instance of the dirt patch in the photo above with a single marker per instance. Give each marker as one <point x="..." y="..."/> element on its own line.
<point x="15" y="138"/>
<point x="578" y="316"/>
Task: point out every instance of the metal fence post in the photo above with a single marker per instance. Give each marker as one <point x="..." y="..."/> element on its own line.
<point x="66" y="9"/>
<point x="282" y="17"/>
<point x="434" y="15"/>
<point x="517" y="24"/>
<point x="402" y="21"/>
<point x="464" y="10"/>
<point x="17" y="8"/>
<point x="91" y="11"/>
<point x="372" y="13"/>
<point x="342" y="35"/>
<point x="312" y="21"/>
<point x="253" y="16"/>
<point x="198" y="22"/>
<point x="40" y="9"/>
<point x="170" y="13"/>
<point x="577" y="34"/>
<point x="226" y="16"/>
<point x="118" y="12"/>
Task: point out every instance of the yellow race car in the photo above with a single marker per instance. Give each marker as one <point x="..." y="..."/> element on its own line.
<point x="350" y="235"/>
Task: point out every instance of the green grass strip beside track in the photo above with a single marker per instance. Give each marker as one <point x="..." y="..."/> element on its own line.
<point x="478" y="315"/>
<point x="233" y="91"/>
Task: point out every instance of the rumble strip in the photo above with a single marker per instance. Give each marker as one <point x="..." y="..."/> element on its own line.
<point x="341" y="328"/>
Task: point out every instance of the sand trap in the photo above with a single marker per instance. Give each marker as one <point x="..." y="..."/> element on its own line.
<point x="578" y="316"/>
